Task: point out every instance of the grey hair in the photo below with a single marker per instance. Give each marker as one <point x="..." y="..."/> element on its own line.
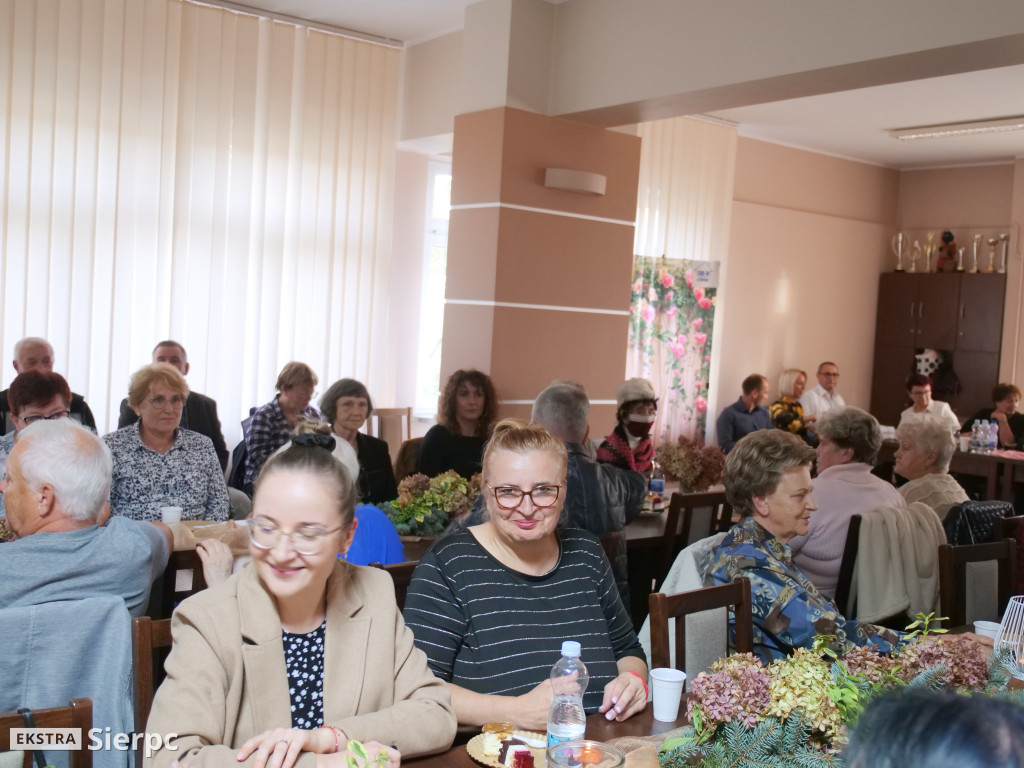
<point x="563" y="409"/>
<point x="850" y="427"/>
<point x="930" y="435"/>
<point x="72" y="460"/>
<point x="31" y="341"/>
<point x="755" y="465"/>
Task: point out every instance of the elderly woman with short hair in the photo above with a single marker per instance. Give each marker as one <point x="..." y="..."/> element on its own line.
<point x="849" y="443"/>
<point x="768" y="483"/>
<point x="926" y="447"/>
<point x="346" y="405"/>
<point x="272" y="424"/>
<point x="158" y="464"/>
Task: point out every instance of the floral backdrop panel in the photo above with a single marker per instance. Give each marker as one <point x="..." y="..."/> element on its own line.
<point x="671" y="321"/>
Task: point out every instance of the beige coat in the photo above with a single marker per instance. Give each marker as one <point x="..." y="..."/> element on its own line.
<point x="226" y="678"/>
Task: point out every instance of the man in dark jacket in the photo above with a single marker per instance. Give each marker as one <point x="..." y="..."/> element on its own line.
<point x="36" y="354"/>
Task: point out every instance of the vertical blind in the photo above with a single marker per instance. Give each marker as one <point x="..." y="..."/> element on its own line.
<point x="170" y="170"/>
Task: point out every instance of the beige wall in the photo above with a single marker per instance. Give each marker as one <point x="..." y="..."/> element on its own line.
<point x="809" y="238"/>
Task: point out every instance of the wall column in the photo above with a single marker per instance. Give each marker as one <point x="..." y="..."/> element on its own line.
<point x="538" y="282"/>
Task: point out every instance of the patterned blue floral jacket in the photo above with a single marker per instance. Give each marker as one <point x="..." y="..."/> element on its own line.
<point x="788" y="609"/>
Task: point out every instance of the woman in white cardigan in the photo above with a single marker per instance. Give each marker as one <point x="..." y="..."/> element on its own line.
<point x="849" y="442"/>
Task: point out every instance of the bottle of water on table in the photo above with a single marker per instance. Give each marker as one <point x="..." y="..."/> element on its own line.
<point x="566" y="719"/>
<point x="993" y="436"/>
<point x="976" y="436"/>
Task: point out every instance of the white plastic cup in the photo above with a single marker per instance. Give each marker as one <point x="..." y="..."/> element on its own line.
<point x="965" y="443"/>
<point x="987" y="628"/>
<point x="170" y="514"/>
<point x="667" y="690"/>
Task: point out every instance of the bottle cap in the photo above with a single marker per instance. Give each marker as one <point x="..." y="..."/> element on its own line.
<point x="571" y="648"/>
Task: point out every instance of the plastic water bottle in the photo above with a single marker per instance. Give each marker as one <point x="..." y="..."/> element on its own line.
<point x="656" y="488"/>
<point x="566" y="719"/>
<point x="993" y="436"/>
<point x="976" y="436"/>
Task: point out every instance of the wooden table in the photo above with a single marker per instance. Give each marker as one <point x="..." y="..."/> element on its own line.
<point x="1000" y="471"/>
<point x="598" y="729"/>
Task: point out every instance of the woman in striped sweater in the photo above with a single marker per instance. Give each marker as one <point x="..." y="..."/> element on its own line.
<point x="491" y="604"/>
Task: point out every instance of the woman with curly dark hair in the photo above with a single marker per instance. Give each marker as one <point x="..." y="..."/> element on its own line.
<point x="464" y="421"/>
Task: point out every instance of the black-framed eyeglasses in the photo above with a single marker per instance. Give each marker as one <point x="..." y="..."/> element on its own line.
<point x="51" y="417"/>
<point x="160" y="402"/>
<point x="308" y="540"/>
<point x="510" y="497"/>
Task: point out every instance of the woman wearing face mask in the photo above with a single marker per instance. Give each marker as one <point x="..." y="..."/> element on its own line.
<point x="629" y="445"/>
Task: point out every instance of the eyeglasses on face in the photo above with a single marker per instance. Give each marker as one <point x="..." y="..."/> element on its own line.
<point x="308" y="540"/>
<point x="33" y="418"/>
<point x="160" y="402"/>
<point x="830" y="374"/>
<point x="920" y="392"/>
<point x="510" y="497"/>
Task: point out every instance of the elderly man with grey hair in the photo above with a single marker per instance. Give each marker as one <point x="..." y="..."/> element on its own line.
<point x="36" y="354"/>
<point x="67" y="547"/>
<point x="926" y="448"/>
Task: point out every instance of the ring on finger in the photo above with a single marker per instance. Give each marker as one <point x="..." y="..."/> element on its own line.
<point x="282" y="741"/>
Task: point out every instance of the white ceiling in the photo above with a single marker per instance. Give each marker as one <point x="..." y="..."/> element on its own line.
<point x="852" y="124"/>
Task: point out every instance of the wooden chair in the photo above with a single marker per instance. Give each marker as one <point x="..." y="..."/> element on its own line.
<point x="166" y="592"/>
<point x="664" y="607"/>
<point x="1013" y="528"/>
<point x="78" y="714"/>
<point x="953" y="576"/>
<point x="406" y="461"/>
<point x="147" y="668"/>
<point x="391" y="424"/>
<point x="847" y="566"/>
<point x="401" y="575"/>
<point x="684" y="506"/>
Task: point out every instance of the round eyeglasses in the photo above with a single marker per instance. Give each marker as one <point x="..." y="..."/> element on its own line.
<point x="308" y="540"/>
<point x="510" y="497"/>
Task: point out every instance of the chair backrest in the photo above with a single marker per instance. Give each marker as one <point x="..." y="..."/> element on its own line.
<point x="401" y="575"/>
<point x="847" y="567"/>
<point x="1013" y="528"/>
<point x="391" y="424"/>
<point x="973" y="522"/>
<point x="664" y="607"/>
<point x="182" y="578"/>
<point x="147" y="668"/>
<point x="78" y="714"/>
<point x="406" y="461"/>
<point x="684" y="506"/>
<point x="953" y="576"/>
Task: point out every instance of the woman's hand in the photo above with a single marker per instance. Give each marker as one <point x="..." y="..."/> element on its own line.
<point x="623" y="697"/>
<point x="373" y="749"/>
<point x="280" y="747"/>
<point x="217" y="561"/>
<point x="531" y="709"/>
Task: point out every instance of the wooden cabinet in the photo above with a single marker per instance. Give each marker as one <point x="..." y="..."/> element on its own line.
<point x="960" y="313"/>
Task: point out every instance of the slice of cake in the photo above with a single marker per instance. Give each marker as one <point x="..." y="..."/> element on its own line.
<point x="514" y="755"/>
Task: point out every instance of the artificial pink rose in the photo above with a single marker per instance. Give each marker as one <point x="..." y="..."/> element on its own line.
<point x="638" y="285"/>
<point x="681" y="339"/>
<point x="707" y="358"/>
<point x="698" y="293"/>
<point x="689" y="278"/>
<point x="647" y="313"/>
<point x="677" y="349"/>
<point x="705" y="303"/>
<point x="652" y="295"/>
<point x="667" y="280"/>
<point x="670" y="295"/>
<point x="671" y="312"/>
<point x="698" y="323"/>
<point x="702" y="404"/>
<point x="700" y="338"/>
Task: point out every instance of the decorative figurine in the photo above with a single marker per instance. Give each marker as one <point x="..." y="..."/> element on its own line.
<point x="947" y="253"/>
<point x="1005" y="240"/>
<point x="960" y="260"/>
<point x="915" y="254"/>
<point x="977" y="242"/>
<point x="929" y="251"/>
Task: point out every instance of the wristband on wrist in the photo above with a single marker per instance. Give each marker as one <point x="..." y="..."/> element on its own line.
<point x="644" y="682"/>
<point x="337" y="736"/>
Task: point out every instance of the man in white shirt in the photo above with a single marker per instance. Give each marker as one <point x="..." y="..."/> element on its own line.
<point x="822" y="398"/>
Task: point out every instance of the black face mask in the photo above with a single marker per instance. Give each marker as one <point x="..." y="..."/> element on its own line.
<point x="639" y="428"/>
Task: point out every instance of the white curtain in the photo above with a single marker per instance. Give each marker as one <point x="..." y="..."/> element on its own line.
<point x="175" y="170"/>
<point x="683" y="211"/>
